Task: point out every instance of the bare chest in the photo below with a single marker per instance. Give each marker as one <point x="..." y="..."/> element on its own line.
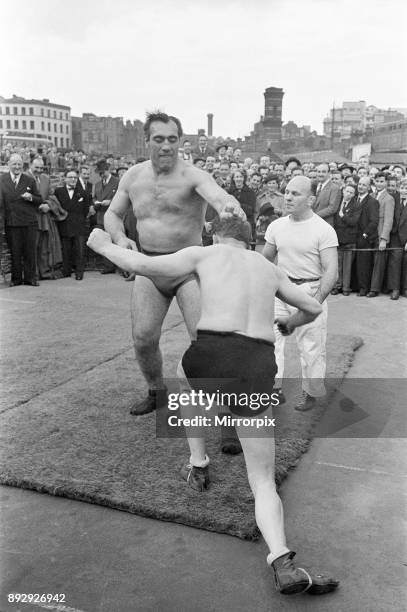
<point x="152" y="198"/>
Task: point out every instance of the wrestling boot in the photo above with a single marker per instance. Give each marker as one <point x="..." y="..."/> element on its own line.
<point x="290" y="579"/>
<point x="156" y="398"/>
<point x="196" y="477"/>
<point x="306" y="402"/>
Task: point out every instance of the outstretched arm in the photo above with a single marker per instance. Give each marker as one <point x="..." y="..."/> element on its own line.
<point x="308" y="307"/>
<point x="224" y="203"/>
<point x="164" y="266"/>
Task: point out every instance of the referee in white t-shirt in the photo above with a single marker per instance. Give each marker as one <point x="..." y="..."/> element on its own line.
<point x="305" y="247"/>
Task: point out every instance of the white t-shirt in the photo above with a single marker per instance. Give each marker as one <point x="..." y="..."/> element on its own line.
<point x="299" y="244"/>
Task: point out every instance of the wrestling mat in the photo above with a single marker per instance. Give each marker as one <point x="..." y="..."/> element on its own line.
<point x="68" y="432"/>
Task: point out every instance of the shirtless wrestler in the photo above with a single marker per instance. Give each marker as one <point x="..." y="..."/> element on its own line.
<point x="235" y="340"/>
<point x="169" y="199"/>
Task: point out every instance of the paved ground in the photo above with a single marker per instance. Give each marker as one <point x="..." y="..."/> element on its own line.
<point x="344" y="504"/>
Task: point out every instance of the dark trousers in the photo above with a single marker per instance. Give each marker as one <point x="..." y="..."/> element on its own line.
<point x="345" y="261"/>
<point x="379" y="267"/>
<point x="397" y="266"/>
<point x="73" y="253"/>
<point x="22" y="242"/>
<point x="364" y="263"/>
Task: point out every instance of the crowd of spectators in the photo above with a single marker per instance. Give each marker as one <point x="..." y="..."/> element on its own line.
<point x="365" y="204"/>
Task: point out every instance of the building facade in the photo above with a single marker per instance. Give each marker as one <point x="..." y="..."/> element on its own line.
<point x="35" y="120"/>
<point x="357" y="118"/>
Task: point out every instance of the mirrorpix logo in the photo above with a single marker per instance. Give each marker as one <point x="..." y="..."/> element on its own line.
<point x="243" y="403"/>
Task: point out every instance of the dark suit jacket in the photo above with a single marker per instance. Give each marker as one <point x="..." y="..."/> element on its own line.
<point x="346" y="227"/>
<point x="247" y="200"/>
<point x="75" y="224"/>
<point x="368" y="220"/>
<point x="400" y="220"/>
<point x="104" y="193"/>
<point x="16" y="211"/>
<point x="327" y="202"/>
<point x="196" y="152"/>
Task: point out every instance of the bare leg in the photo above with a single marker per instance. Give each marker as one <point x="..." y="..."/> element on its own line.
<point x="148" y="310"/>
<point x="259" y="458"/>
<point x="195" y="435"/>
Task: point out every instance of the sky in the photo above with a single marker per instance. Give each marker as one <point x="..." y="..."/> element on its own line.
<point x="189" y="58"/>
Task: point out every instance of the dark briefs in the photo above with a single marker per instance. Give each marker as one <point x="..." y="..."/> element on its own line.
<point x="231" y="363"/>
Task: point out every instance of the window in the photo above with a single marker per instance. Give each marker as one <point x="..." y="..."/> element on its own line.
<point x="56" y="141"/>
<point x="8" y="125"/>
<point x="24" y="124"/>
<point x="61" y="128"/>
<point x="48" y="113"/>
<point x="31" y="125"/>
<point x="16" y="124"/>
<point x="1" y="124"/>
<point x="49" y="127"/>
<point x="55" y="127"/>
<point x="62" y="142"/>
<point x="43" y="126"/>
<point x="1" y="110"/>
<point x="23" y="110"/>
<point x="60" y="114"/>
<point x="15" y="110"/>
<point x="55" y="114"/>
<point x="67" y="143"/>
<point x="67" y="129"/>
<point x="66" y="116"/>
<point x="31" y="110"/>
<point x="7" y="110"/>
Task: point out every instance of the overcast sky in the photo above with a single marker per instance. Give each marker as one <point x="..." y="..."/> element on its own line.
<point x="189" y="58"/>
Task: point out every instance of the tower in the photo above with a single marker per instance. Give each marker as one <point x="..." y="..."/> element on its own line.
<point x="273" y="102"/>
<point x="210" y="124"/>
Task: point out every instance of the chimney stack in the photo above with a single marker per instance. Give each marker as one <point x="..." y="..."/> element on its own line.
<point x="210" y="124"/>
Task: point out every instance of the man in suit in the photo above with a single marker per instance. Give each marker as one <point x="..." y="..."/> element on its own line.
<point x="85" y="187"/>
<point x="74" y="229"/>
<point x="367" y="234"/>
<point x="346" y="226"/>
<point x="386" y="215"/>
<point x="329" y="195"/>
<point x="202" y="150"/>
<point x="19" y="202"/>
<point x="104" y="192"/>
<point x="397" y="263"/>
<point x="49" y="249"/>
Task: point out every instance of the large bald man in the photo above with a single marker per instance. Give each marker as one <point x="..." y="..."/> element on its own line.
<point x="306" y="248"/>
<point x="169" y="199"/>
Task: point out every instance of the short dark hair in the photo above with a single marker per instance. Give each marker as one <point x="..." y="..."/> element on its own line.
<point x="198" y="159"/>
<point x="163" y="118"/>
<point x="293" y="159"/>
<point x="401" y="168"/>
<point x="382" y="175"/>
<point x="255" y="174"/>
<point x="70" y="170"/>
<point x="233" y="227"/>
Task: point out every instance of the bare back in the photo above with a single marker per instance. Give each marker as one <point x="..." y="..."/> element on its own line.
<point x="237" y="292"/>
<point x="170" y="213"/>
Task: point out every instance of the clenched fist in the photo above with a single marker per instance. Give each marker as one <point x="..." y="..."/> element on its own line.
<point x="99" y="240"/>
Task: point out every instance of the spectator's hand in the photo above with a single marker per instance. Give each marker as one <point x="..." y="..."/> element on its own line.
<point x="231" y="210"/>
<point x="97" y="205"/>
<point x="91" y="212"/>
<point x="405" y="247"/>
<point x="208" y="226"/>
<point x="98" y="240"/>
<point x="130" y="276"/>
<point x="105" y="203"/>
<point x="284" y="326"/>
<point x="127" y="243"/>
<point x="27" y="196"/>
<point x="44" y="208"/>
<point x="382" y="244"/>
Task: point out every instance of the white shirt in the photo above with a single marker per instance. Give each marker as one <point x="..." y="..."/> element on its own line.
<point x="299" y="244"/>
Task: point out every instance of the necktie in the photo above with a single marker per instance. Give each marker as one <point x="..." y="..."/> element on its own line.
<point x="403" y="202"/>
<point x="319" y="188"/>
<point x="15" y="181"/>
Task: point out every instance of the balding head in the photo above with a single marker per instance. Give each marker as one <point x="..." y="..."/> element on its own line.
<point x="299" y="197"/>
<point x="322" y="173"/>
<point x="37" y="166"/>
<point x="15" y="164"/>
